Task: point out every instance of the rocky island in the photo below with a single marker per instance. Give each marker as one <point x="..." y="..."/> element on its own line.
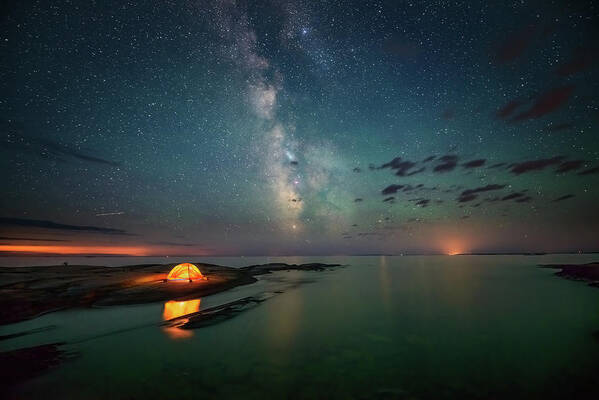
<point x="579" y="272"/>
<point x="28" y="292"/>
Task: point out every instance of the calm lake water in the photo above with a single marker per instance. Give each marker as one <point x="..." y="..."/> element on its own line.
<point x="379" y="328"/>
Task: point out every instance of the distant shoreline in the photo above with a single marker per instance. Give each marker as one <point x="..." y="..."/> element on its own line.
<point x="540" y="253"/>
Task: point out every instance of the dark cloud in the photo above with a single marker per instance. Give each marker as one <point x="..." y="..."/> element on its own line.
<point x="471" y="194"/>
<point x="481" y="189"/>
<point x="393" y="164"/>
<point x="391" y="189"/>
<point x="514" y="45"/>
<point x="448" y="163"/>
<point x="402" y="167"/>
<point x="420" y="186"/>
<point x="29" y="239"/>
<point x="474" y="163"/>
<point x="14" y="139"/>
<point x="578" y="63"/>
<point x="524" y="199"/>
<point x="512" y="196"/>
<point x="547" y="103"/>
<point x="357" y="169"/>
<point x="508" y="109"/>
<point x="423" y="202"/>
<point x="358" y="200"/>
<point x="589" y="171"/>
<point x="534" y="165"/>
<point x="34" y="223"/>
<point x="565" y="197"/>
<point x="369" y="234"/>
<point x="174" y="244"/>
<point x="569" y="166"/>
<point x="466" y="198"/>
<point x="501" y="164"/>
<point x="417" y="171"/>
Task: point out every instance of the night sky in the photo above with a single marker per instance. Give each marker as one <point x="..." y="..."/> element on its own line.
<point x="226" y="127"/>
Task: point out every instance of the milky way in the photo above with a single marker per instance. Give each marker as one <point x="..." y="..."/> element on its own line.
<point x="300" y="127"/>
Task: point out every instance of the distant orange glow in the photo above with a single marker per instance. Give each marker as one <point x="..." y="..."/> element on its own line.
<point x="59" y="249"/>
<point x="455" y="245"/>
<point x="84" y="249"/>
<point x="185" y="272"/>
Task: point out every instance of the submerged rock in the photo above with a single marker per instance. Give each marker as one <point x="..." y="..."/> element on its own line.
<point x="20" y="365"/>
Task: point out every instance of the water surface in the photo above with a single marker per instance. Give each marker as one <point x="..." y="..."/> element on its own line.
<point x="381" y="327"/>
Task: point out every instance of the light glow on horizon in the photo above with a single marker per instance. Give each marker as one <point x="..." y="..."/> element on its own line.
<point x="91" y="249"/>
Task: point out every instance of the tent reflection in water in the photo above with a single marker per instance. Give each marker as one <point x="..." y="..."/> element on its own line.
<point x="185" y="272"/>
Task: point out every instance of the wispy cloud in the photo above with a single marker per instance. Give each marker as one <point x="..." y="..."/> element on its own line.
<point x="471" y="194"/>
<point x="30" y="239"/>
<point x="36" y="223"/>
<point x="14" y="138"/>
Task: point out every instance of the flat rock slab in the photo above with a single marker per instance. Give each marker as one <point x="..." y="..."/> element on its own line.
<point x="28" y="292"/>
<point x="580" y="272"/>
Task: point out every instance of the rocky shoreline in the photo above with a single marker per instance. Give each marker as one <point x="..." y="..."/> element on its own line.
<point x="28" y="292"/>
<point x="578" y="272"/>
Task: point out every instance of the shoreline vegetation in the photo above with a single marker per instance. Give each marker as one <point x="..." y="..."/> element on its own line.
<point x="29" y="292"/>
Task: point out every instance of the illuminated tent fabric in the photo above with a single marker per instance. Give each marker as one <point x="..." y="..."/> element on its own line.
<point x="185" y="272"/>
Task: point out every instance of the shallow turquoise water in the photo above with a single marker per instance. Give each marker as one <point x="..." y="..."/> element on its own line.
<point x="381" y="327"/>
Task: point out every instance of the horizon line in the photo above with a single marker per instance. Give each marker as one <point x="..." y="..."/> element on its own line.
<point x="92" y="255"/>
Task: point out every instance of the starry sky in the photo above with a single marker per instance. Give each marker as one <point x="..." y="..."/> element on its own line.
<point x="225" y="127"/>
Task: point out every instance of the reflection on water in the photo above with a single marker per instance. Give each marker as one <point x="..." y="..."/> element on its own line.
<point x="383" y="327"/>
<point x="283" y="319"/>
<point x="385" y="282"/>
<point x="174" y="309"/>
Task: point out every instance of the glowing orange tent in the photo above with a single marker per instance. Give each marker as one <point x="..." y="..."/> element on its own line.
<point x="185" y="272"/>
